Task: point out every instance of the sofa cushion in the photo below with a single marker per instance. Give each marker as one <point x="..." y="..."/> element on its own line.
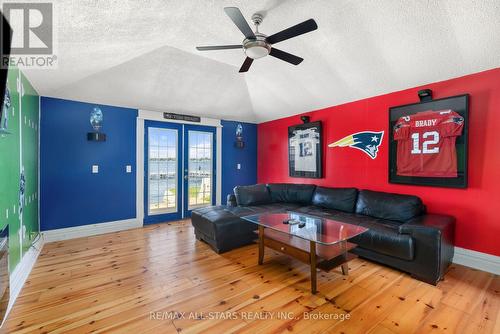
<point x="252" y="195"/>
<point x="382" y="236"/>
<point x="343" y="199"/>
<point x="313" y="210"/>
<point x="274" y="207"/>
<point x="389" y="206"/>
<point x="291" y="193"/>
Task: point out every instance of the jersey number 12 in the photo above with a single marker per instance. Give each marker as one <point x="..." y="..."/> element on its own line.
<point x="429" y="138"/>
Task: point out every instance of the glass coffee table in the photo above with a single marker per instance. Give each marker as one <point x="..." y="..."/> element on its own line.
<point x="320" y="242"/>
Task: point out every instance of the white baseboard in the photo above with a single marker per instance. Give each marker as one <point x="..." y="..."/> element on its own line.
<point x="477" y="260"/>
<point x="20" y="274"/>
<point x="89" y="230"/>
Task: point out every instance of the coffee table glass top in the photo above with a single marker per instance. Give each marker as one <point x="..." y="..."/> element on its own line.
<point x="321" y="230"/>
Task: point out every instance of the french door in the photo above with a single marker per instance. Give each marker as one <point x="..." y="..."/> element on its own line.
<point x="199" y="167"/>
<point x="179" y="170"/>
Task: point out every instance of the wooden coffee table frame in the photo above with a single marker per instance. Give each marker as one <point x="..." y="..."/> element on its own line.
<point x="317" y="256"/>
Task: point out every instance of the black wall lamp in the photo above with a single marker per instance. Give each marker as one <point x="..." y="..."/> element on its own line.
<point x="96" y="118"/>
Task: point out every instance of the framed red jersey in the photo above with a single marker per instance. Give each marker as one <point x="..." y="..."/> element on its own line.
<point x="428" y="143"/>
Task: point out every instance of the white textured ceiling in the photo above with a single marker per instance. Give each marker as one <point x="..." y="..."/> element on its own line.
<point x="142" y="53"/>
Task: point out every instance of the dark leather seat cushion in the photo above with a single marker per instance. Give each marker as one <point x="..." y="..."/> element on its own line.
<point x="219" y="220"/>
<point x="383" y="236"/>
<point x="274" y="207"/>
<point x="252" y="195"/>
<point x="291" y="193"/>
<point x="317" y="211"/>
<point x="389" y="206"/>
<point x="343" y="199"/>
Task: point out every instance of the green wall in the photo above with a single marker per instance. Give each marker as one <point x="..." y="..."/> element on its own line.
<point x="18" y="151"/>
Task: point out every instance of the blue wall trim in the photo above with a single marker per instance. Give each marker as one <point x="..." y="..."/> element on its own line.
<point x="70" y="194"/>
<point x="231" y="156"/>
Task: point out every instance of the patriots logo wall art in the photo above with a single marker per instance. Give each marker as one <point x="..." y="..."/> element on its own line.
<point x="366" y="141"/>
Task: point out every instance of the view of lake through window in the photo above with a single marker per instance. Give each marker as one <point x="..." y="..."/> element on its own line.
<point x="200" y="169"/>
<point x="163" y="188"/>
<point x="162" y="169"/>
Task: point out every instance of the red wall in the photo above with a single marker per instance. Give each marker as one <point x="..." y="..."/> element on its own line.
<point x="476" y="208"/>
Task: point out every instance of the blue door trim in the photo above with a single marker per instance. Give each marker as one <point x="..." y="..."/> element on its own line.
<point x="187" y="128"/>
<point x="159" y="218"/>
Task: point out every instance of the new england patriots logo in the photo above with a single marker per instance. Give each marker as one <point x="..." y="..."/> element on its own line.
<point x="366" y="141"/>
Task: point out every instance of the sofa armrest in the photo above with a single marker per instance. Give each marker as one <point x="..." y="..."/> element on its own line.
<point x="434" y="237"/>
<point x="429" y="223"/>
<point x="231" y="200"/>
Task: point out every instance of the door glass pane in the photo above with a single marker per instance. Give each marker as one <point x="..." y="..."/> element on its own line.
<point x="162" y="170"/>
<point x="200" y="169"/>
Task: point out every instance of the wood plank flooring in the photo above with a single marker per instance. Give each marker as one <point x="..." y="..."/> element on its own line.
<point x="160" y="279"/>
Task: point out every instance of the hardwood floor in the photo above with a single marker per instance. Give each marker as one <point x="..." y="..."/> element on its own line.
<point x="136" y="281"/>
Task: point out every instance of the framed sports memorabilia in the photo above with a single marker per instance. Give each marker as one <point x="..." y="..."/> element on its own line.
<point x="304" y="150"/>
<point x="428" y="142"/>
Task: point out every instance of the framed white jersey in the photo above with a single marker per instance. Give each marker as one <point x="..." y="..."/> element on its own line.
<point x="304" y="150"/>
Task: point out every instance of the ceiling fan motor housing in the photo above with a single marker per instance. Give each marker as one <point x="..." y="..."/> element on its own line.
<point x="256" y="48"/>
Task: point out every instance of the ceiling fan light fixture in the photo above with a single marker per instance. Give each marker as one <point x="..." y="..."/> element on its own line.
<point x="256" y="49"/>
<point x="257" y="45"/>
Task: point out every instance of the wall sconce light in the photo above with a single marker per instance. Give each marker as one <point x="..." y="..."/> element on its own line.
<point x="305" y="119"/>
<point x="96" y="118"/>
<point x="425" y="95"/>
<point x="239" y="143"/>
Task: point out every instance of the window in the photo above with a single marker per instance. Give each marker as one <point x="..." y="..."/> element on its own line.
<point x="200" y="169"/>
<point x="162" y="170"/>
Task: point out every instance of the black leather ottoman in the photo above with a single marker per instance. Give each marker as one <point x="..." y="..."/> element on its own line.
<point x="222" y="229"/>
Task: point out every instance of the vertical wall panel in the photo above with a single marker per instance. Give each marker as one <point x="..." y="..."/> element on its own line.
<point x="18" y="150"/>
<point x="71" y="195"/>
<point x="231" y="156"/>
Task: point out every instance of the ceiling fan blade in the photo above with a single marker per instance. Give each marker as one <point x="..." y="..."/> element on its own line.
<point x="246" y="64"/>
<point x="218" y="47"/>
<point x="238" y="19"/>
<point x="288" y="57"/>
<point x="294" y="31"/>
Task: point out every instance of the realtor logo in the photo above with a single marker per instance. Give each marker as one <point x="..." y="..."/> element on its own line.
<point x="32" y="23"/>
<point x="33" y="38"/>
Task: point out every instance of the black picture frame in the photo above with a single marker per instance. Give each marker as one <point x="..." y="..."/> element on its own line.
<point x="308" y="138"/>
<point x="459" y="104"/>
<point x="5" y="45"/>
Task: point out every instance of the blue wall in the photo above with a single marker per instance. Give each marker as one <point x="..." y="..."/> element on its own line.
<point x="231" y="156"/>
<point x="70" y="194"/>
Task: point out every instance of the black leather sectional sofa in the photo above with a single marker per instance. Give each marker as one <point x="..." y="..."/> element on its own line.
<point x="401" y="234"/>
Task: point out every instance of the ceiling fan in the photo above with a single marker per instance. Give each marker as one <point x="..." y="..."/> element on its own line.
<point x="257" y="45"/>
